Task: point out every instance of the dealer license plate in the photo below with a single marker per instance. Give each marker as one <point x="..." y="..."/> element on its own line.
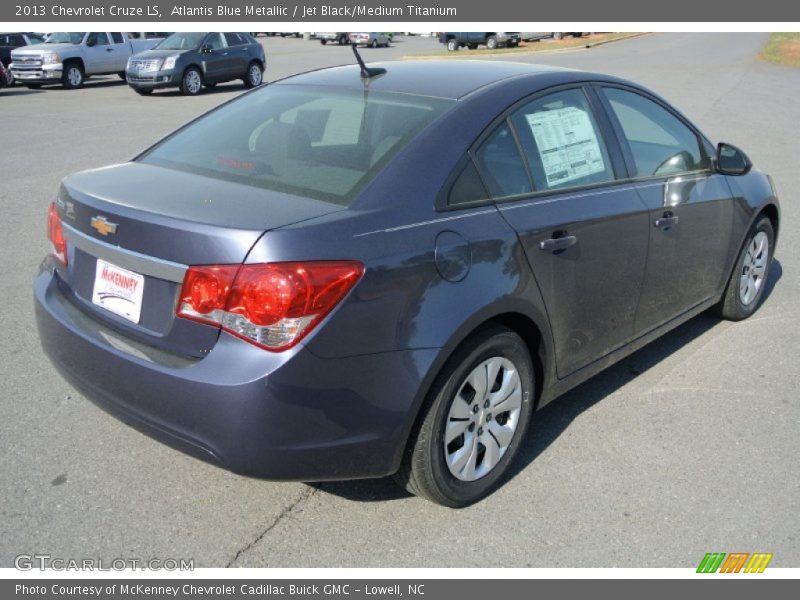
<point x="118" y="290"/>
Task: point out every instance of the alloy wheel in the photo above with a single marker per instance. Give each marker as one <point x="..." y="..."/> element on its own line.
<point x="255" y="75"/>
<point x="193" y="82"/>
<point x="754" y="268"/>
<point x="482" y="419"/>
<point x="74" y="76"/>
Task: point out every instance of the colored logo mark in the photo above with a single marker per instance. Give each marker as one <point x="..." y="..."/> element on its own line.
<point x="735" y="562"/>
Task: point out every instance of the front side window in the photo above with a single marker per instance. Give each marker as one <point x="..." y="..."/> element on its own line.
<point x="215" y="41"/>
<point x="561" y="141"/>
<point x="184" y="40"/>
<point x="97" y="38"/>
<point x="661" y="144"/>
<point x="317" y="142"/>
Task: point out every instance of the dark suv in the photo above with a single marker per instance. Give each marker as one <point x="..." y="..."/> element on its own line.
<point x="472" y="39"/>
<point x="192" y="60"/>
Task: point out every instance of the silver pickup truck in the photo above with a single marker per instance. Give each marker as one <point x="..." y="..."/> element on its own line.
<point x="70" y="58"/>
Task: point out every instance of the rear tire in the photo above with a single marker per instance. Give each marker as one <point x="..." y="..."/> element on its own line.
<point x="33" y="86"/>
<point x="122" y="76"/>
<point x="143" y="91"/>
<point x="481" y="445"/>
<point x="373" y="44"/>
<point x="323" y="42"/>
<point x="191" y="82"/>
<point x="342" y="40"/>
<point x="254" y="76"/>
<point x="747" y="282"/>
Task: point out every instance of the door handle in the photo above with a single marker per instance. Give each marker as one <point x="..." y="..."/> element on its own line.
<point x="557" y="244"/>
<point x="666" y="221"/>
<point x="109" y="49"/>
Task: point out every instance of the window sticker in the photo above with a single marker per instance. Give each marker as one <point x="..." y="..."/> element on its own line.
<point x="567" y="143"/>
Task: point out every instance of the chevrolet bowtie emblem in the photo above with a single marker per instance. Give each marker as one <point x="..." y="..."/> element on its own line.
<point x="103" y="225"/>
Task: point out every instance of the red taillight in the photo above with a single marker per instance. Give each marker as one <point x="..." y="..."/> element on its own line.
<point x="55" y="232"/>
<point x="271" y="305"/>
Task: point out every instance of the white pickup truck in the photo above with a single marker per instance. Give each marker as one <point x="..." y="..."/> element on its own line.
<point x="70" y="58"/>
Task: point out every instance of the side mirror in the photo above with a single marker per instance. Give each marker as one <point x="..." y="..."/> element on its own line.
<point x="90" y="41"/>
<point x="732" y="161"/>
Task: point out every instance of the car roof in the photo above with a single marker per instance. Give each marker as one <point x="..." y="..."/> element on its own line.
<point x="451" y="79"/>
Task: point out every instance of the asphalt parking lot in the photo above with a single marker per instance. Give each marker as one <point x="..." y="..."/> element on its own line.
<point x="688" y="446"/>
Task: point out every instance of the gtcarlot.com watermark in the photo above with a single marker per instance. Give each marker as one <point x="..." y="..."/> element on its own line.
<point x="45" y="562"/>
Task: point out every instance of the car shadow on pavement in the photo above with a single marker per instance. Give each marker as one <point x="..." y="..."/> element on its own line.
<point x="222" y="88"/>
<point x="18" y="91"/>
<point x="552" y="420"/>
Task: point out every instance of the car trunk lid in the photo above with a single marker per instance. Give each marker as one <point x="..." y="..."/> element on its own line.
<point x="138" y="227"/>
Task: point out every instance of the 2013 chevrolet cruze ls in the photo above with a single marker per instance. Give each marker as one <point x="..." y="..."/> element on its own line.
<point x="363" y="271"/>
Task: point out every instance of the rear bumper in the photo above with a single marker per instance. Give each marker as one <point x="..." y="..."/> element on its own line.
<point x="285" y="416"/>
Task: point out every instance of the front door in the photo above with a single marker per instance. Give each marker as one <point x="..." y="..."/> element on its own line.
<point x="691" y="209"/>
<point x="99" y="53"/>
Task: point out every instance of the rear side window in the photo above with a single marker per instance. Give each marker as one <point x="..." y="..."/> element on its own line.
<point x="661" y="144"/>
<point x="117" y="37"/>
<point x="233" y="39"/>
<point x="318" y="142"/>
<point x="561" y="141"/>
<point x="468" y="186"/>
<point x="502" y="166"/>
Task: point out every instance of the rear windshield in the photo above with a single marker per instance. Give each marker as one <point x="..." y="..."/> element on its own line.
<point x="318" y="142"/>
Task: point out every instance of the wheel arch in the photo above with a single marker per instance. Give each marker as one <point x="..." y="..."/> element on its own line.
<point x="75" y="59"/>
<point x="532" y="329"/>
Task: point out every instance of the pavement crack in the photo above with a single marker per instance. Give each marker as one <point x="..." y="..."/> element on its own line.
<point x="283" y="514"/>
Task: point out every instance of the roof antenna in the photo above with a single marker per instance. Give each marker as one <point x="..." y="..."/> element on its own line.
<point x="367" y="72"/>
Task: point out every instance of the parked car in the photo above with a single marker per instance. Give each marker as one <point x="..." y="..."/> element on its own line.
<point x="313" y="282"/>
<point x="70" y="58"/>
<point x="12" y="41"/>
<point x="373" y="40"/>
<point x="5" y="76"/>
<point x="472" y="39"/>
<point x="340" y="38"/>
<point x="191" y="60"/>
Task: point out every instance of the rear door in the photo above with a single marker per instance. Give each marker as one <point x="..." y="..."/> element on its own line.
<point x="560" y="185"/>
<point x="691" y="209"/>
<point x="121" y="50"/>
<point x="237" y="54"/>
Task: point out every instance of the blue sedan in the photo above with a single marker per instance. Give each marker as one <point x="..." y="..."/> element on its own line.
<point x="384" y="270"/>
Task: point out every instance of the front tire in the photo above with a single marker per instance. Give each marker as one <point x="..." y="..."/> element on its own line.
<point x="373" y="44"/>
<point x="73" y="76"/>
<point x="747" y="283"/>
<point x="474" y="421"/>
<point x="452" y="45"/>
<point x="491" y="42"/>
<point x="191" y="82"/>
<point x="143" y="91"/>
